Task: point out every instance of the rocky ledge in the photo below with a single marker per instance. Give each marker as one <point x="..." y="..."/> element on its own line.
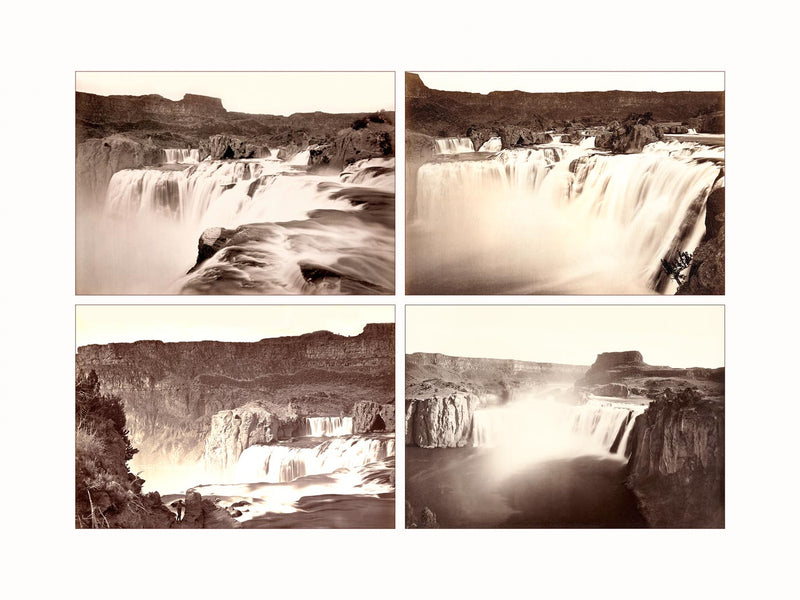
<point x="677" y="465"/>
<point x="440" y="422"/>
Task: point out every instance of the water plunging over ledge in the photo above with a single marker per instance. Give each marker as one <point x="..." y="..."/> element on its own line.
<point x="557" y="218"/>
<point x="144" y="238"/>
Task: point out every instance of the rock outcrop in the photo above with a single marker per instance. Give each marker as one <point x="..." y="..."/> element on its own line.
<point x="627" y="138"/>
<point x="233" y="431"/>
<point x="221" y="147"/>
<point x="373" y="140"/>
<point x="706" y="274"/>
<point x="420" y="148"/>
<point x="371" y="416"/>
<point x="677" y="465"/>
<point x="97" y="160"/>
<point x="440" y="422"/>
<point x="202" y="513"/>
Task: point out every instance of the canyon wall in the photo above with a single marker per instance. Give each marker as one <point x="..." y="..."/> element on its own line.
<point x="677" y="464"/>
<point x="443" y="392"/>
<point x="172" y="390"/>
<point x="451" y="114"/>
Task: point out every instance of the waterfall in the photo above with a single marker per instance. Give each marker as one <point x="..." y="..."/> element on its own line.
<point x="587" y="142"/>
<point x="556" y="139"/>
<point x="563" y="219"/>
<point x="454" y="145"/>
<point x="273" y="153"/>
<point x="283" y="463"/>
<point x="494" y="144"/>
<point x="329" y="426"/>
<point x="181" y="156"/>
<point x="545" y="429"/>
<point x="692" y="131"/>
<point x="300" y="159"/>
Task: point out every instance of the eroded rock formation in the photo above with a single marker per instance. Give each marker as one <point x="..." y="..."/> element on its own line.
<point x="440" y="422"/>
<point x="677" y="464"/>
<point x="232" y="431"/>
<point x="97" y="160"/>
<point x="372" y="416"/>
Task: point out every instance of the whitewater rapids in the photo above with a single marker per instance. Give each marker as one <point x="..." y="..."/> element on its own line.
<point x="311" y="233"/>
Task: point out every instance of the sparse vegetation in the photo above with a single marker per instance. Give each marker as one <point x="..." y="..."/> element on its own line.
<point x="106" y="492"/>
<point x="676" y="267"/>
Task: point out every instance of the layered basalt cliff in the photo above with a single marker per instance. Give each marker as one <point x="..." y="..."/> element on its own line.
<point x="486" y="375"/>
<point x="172" y="390"/>
<point x="613" y="371"/>
<point x="445" y="113"/>
<point x="677" y="464"/>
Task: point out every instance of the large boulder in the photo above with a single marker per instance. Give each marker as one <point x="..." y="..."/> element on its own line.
<point x="202" y="513"/>
<point x="444" y="422"/>
<point x="677" y="462"/>
<point x="221" y="147"/>
<point x="514" y="136"/>
<point x="372" y="140"/>
<point x="232" y="431"/>
<point x="97" y="160"/>
<point x="628" y="137"/>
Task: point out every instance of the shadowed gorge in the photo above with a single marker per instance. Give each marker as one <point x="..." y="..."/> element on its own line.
<point x="508" y="443"/>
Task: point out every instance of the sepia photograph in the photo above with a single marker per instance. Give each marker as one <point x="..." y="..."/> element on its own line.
<point x="565" y="417"/>
<point x="565" y="183"/>
<point x="234" y="183"/>
<point x="229" y="417"/>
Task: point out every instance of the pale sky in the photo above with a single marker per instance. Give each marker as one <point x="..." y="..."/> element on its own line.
<point x="576" y="81"/>
<point x="233" y="323"/>
<point x="272" y="93"/>
<point x="675" y="336"/>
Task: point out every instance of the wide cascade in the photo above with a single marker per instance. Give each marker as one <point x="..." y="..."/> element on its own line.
<point x="454" y="145"/>
<point x="181" y="156"/>
<point x="535" y="429"/>
<point x="559" y="218"/>
<point x="329" y="426"/>
<point x="158" y="214"/>
<point x="281" y="463"/>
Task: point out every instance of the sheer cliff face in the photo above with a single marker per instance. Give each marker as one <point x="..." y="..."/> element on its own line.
<point x="483" y="376"/>
<point x="171" y="390"/>
<point x="677" y="465"/>
<point x="440" y="422"/>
